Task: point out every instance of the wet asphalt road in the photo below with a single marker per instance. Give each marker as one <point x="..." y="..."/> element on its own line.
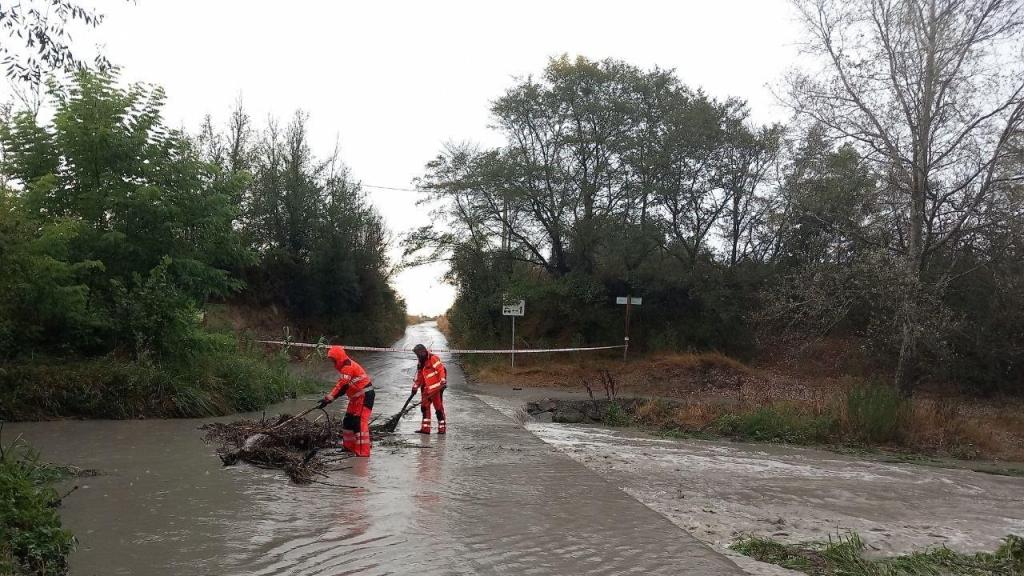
<point x="488" y="498"/>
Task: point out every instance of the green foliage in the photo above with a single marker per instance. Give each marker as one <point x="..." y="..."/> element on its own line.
<point x="876" y="412"/>
<point x="616" y="415"/>
<point x="219" y="377"/>
<point x="772" y="552"/>
<point x="116" y="231"/>
<point x="321" y="248"/>
<point x="119" y="232"/>
<point x="39" y="37"/>
<point x="569" y="214"/>
<point x="31" y="538"/>
<point x="612" y="181"/>
<point x="779" y="423"/>
<point x="43" y="294"/>
<point x="844" y="555"/>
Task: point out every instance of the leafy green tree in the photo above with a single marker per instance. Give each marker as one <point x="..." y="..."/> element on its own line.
<point x="612" y="180"/>
<point x="137" y="209"/>
<point x="320" y="248"/>
<point x="43" y="294"/>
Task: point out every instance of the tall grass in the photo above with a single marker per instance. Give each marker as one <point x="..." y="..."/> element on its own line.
<point x="845" y="555"/>
<point x="876" y="413"/>
<point x="218" y="376"/>
<point x="780" y="423"/>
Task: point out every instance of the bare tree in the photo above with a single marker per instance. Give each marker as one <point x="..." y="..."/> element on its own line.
<point x="931" y="92"/>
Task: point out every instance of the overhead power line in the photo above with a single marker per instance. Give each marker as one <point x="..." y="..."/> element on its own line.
<point x="392" y="188"/>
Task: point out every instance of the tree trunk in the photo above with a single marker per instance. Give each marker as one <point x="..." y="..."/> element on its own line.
<point x="735" y="227"/>
<point x="906" y="366"/>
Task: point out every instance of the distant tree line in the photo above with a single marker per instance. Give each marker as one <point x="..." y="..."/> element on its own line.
<point x="319" y="247"/>
<point x="889" y="211"/>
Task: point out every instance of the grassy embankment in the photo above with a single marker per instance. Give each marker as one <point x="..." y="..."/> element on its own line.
<point x="32" y="540"/>
<point x="845" y="555"/>
<point x="219" y="375"/>
<point x="712" y="395"/>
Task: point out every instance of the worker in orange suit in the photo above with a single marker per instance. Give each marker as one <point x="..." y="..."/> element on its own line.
<point x="356" y="385"/>
<point x="431" y="380"/>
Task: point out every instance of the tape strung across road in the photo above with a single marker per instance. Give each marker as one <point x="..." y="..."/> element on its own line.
<point x="443" y="350"/>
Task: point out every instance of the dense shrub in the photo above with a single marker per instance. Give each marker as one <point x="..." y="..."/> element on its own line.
<point x="32" y="541"/>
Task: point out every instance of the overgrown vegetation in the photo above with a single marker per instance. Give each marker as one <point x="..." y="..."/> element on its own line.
<point x="32" y="541"/>
<point x="220" y="376"/>
<point x="780" y="423"/>
<point x="116" y="231"/>
<point x="877" y="412"/>
<point x="845" y="555"/>
<point x="890" y="213"/>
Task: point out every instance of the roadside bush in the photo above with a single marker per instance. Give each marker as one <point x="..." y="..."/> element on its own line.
<point x="875" y="412"/>
<point x="218" y="377"/>
<point x="32" y="540"/>
<point x="616" y="415"/>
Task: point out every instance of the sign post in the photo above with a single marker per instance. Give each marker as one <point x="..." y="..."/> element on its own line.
<point x="629" y="301"/>
<point x="514" y="309"/>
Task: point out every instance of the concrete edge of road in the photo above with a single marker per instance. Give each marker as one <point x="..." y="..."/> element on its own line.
<point x="744" y="564"/>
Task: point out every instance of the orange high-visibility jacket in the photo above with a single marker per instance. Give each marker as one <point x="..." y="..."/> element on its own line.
<point x="354" y="381"/>
<point x="431" y="374"/>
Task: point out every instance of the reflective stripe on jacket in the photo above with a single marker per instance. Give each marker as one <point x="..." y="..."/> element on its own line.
<point x="354" y="381"/>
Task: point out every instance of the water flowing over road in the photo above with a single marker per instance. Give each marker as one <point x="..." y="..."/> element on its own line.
<point x="489" y="497"/>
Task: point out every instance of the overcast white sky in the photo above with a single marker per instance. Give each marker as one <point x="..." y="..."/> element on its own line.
<point x="393" y="81"/>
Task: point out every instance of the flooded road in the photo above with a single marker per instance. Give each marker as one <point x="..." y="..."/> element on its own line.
<point x="487" y="498"/>
<point x="718" y="490"/>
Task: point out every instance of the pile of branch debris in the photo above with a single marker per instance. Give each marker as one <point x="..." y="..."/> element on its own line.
<point x="283" y="443"/>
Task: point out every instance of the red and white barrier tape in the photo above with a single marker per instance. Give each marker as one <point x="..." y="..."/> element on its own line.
<point x="442" y="350"/>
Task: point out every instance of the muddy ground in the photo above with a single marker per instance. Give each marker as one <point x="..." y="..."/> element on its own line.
<point x="718" y="490"/>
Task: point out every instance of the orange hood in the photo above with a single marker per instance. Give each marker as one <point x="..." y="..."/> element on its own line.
<point x="338" y="354"/>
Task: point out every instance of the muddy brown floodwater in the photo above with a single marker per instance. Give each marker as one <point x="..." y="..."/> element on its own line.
<point x="488" y="498"/>
<point x="718" y="491"/>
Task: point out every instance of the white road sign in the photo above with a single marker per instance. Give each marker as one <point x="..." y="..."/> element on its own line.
<point x="633" y="301"/>
<point x="514" y="309"/>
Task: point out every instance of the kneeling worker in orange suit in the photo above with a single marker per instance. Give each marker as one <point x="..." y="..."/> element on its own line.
<point x="354" y="383"/>
<point x="431" y="380"/>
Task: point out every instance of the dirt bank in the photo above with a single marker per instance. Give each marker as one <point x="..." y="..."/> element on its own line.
<point x="703" y="388"/>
